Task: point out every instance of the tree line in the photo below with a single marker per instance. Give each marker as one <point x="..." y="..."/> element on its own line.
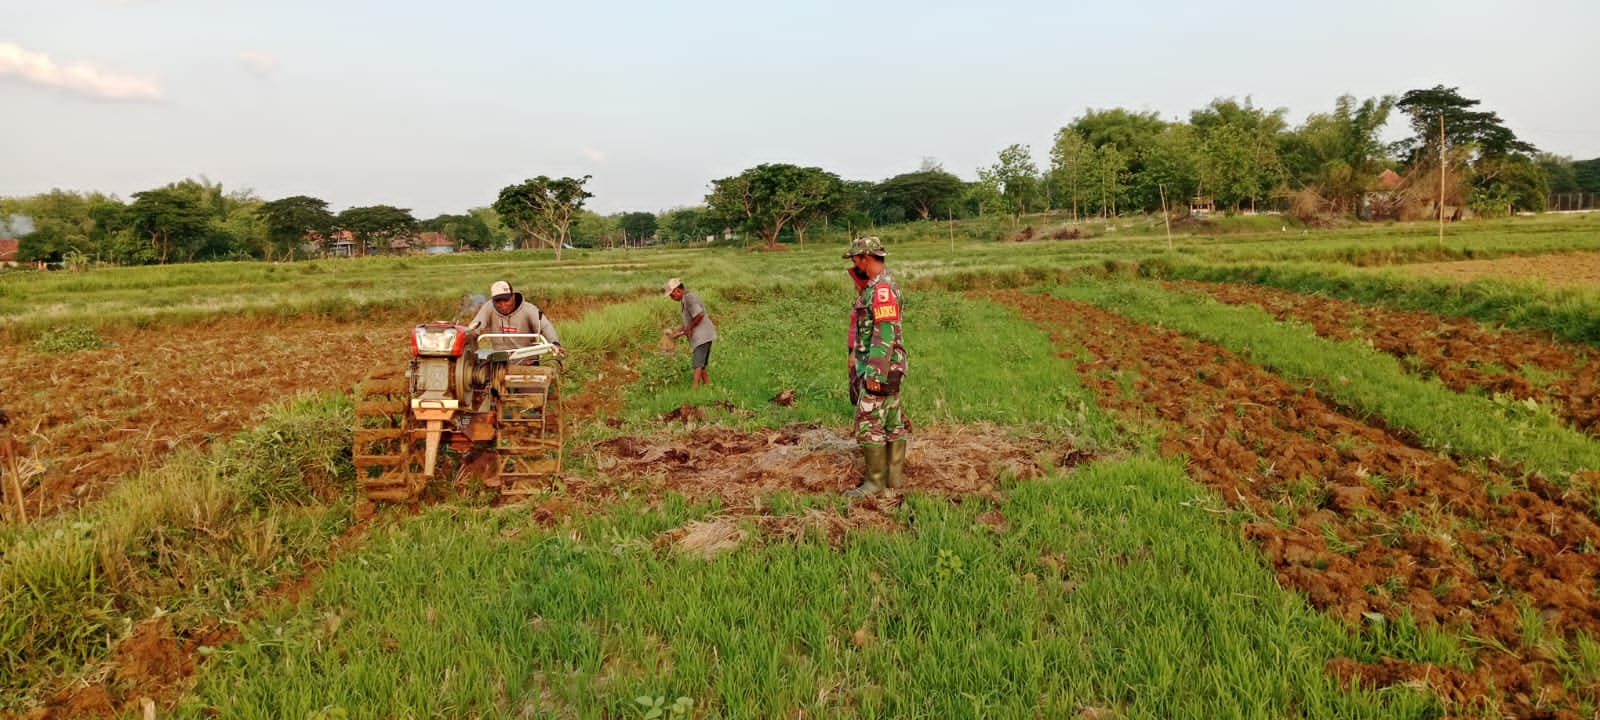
<point x="1230" y="155"/>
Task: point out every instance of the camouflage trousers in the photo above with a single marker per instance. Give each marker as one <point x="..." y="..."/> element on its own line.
<point x="879" y="419"/>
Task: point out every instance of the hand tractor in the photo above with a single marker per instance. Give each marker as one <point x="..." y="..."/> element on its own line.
<point x="473" y="393"/>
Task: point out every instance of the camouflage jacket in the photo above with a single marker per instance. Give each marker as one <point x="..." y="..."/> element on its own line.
<point x="878" y="345"/>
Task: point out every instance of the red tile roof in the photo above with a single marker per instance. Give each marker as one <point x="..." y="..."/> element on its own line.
<point x="8" y="249"/>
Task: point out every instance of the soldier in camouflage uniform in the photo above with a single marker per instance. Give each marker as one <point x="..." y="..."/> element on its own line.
<point x="877" y="366"/>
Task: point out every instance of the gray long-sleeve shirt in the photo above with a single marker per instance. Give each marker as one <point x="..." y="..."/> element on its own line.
<point x="525" y="318"/>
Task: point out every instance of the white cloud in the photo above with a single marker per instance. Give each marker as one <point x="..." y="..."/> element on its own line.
<point x="81" y="78"/>
<point x="592" y="154"/>
<point x="259" y="63"/>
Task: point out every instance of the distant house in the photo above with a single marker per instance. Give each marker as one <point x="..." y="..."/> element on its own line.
<point x="8" y="252"/>
<point x="1387" y="201"/>
<point x="339" y="243"/>
<point x="436" y="243"/>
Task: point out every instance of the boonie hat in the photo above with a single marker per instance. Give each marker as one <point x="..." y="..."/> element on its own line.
<point x="869" y="245"/>
<point x="500" y="290"/>
<point x="672" y="285"/>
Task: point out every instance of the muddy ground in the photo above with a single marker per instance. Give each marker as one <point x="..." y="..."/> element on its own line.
<point x="1368" y="525"/>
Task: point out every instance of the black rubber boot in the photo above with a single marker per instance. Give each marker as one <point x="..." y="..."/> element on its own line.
<point x="897" y="464"/>
<point x="876" y="474"/>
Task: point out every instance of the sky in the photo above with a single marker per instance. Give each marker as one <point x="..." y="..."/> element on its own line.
<point x="435" y="106"/>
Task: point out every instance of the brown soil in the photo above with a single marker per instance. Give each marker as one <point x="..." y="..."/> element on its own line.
<point x="740" y="468"/>
<point x="1462" y="353"/>
<point x="92" y="417"/>
<point x="1349" y="513"/>
<point x="1579" y="269"/>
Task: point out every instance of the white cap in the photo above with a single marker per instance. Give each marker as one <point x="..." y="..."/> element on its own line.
<point x="500" y="289"/>
<point x="673" y="284"/>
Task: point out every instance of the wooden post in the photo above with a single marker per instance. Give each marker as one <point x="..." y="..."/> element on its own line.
<point x="1166" y="217"/>
<point x="1441" y="178"/>
<point x="10" y="467"/>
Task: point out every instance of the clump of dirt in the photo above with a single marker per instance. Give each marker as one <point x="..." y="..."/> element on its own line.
<point x="1067" y="233"/>
<point x="784" y="398"/>
<point x="684" y="413"/>
<point x="1025" y="234"/>
<point x="705" y="538"/>
<point x="151" y="667"/>
<point x="708" y="538"/>
<point x="691" y="413"/>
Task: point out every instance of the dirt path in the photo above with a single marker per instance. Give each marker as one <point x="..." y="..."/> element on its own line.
<point x="1462" y="353"/>
<point x="1362" y="522"/>
<point x="1578" y="269"/>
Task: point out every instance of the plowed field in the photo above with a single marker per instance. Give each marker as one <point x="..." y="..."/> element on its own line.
<point x="91" y="417"/>
<point x="1462" y="353"/>
<point x="1366" y="524"/>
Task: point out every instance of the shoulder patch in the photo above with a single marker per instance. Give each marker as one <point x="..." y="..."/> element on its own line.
<point x="884" y="305"/>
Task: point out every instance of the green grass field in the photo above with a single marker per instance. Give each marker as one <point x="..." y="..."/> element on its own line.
<point x="1116" y="588"/>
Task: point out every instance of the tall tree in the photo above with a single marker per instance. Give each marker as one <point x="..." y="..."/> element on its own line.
<point x="983" y="195"/>
<point x="1018" y="178"/>
<point x="766" y="198"/>
<point x="1563" y="179"/>
<point x="688" y="225"/>
<point x="1339" y="155"/>
<point x="925" y="192"/>
<point x="171" y="219"/>
<point x="637" y="226"/>
<point x="467" y="232"/>
<point x="1480" y="130"/>
<point x="1069" y="159"/>
<point x="860" y="204"/>
<point x="1497" y="168"/>
<point x="291" y="221"/>
<point x="1239" y="149"/>
<point x="1587" y="173"/>
<point x="1130" y="133"/>
<point x="378" y="226"/>
<point x="1172" y="166"/>
<point x="542" y="209"/>
<point x="499" y="235"/>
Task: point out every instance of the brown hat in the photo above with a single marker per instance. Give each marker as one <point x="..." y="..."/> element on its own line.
<point x="673" y="284"/>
